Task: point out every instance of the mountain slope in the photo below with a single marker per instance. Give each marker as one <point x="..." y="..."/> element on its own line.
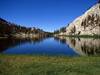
<point x="8" y="29"/>
<point x="87" y="24"/>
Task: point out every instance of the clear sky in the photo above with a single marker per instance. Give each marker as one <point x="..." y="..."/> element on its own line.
<point x="45" y="14"/>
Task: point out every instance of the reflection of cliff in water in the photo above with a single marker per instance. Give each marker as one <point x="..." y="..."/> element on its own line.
<point x="11" y="42"/>
<point x="83" y="46"/>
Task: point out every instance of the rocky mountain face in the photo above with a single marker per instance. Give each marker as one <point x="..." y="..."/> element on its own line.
<point x="87" y="24"/>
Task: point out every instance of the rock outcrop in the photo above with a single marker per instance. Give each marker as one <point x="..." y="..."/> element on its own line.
<point x="87" y="24"/>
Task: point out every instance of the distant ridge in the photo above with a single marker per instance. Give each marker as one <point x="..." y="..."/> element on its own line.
<point x="8" y="29"/>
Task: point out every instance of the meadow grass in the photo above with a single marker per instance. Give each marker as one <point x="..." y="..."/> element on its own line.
<point x="48" y="65"/>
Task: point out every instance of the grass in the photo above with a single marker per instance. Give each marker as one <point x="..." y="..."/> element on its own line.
<point x="48" y="65"/>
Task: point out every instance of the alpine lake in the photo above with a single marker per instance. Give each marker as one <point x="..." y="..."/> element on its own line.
<point x="51" y="46"/>
<point x="50" y="56"/>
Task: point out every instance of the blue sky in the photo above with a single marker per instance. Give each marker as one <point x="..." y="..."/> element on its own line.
<point x="45" y="14"/>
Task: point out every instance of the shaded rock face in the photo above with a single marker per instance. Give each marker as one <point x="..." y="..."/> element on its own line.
<point x="87" y="24"/>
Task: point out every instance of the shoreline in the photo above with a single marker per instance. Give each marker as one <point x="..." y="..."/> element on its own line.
<point x="80" y="36"/>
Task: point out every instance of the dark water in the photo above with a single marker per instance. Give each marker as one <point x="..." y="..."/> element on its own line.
<point x="51" y="46"/>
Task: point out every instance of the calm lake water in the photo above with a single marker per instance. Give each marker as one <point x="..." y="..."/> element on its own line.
<point x="51" y="46"/>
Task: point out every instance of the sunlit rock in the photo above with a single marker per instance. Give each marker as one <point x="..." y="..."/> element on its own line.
<point x="87" y="24"/>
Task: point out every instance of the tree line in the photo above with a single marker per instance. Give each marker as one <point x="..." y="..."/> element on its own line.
<point x="8" y="28"/>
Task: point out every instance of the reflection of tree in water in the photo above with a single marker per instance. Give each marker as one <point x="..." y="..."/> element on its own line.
<point x="90" y="50"/>
<point x="7" y="43"/>
<point x="73" y="42"/>
<point x="84" y="46"/>
<point x="11" y="42"/>
<point x="61" y="40"/>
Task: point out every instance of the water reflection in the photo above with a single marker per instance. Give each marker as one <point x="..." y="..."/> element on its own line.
<point x="69" y="46"/>
<point x="83" y="46"/>
<point x="12" y="42"/>
<point x="38" y="46"/>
